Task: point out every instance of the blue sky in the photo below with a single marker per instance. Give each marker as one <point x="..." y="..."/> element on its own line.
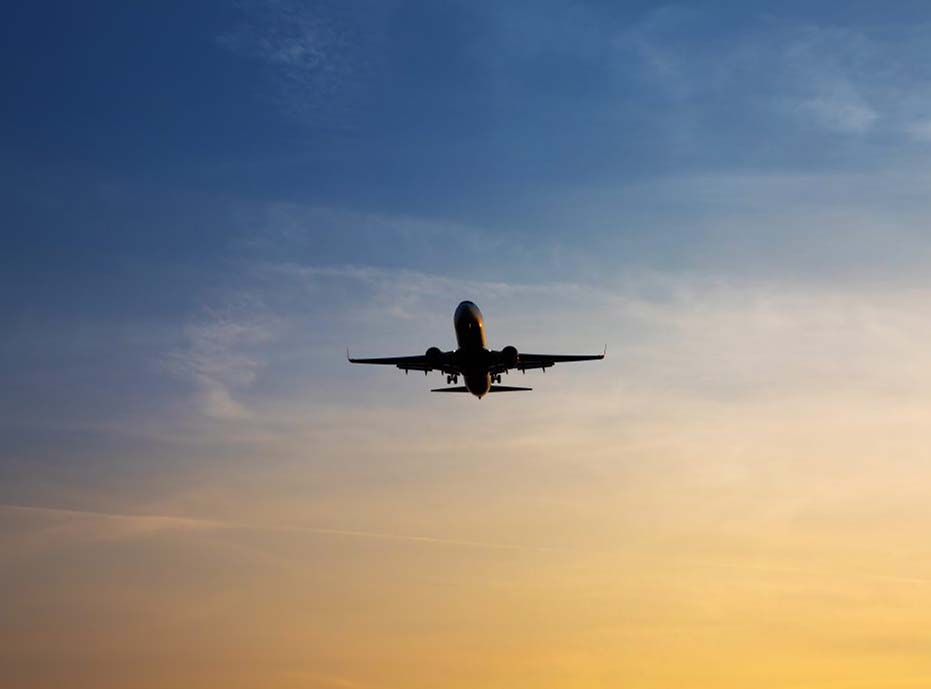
<point x="206" y="203"/>
<point x="167" y="166"/>
<point x="527" y="123"/>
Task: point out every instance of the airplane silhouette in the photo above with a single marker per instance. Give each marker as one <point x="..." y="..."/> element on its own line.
<point x="480" y="367"/>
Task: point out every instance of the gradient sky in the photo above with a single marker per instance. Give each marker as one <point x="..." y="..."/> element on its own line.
<point x="206" y="203"/>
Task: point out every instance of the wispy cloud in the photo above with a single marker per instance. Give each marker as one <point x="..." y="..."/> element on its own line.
<point x="222" y="356"/>
<point x="839" y="107"/>
<point x="75" y="525"/>
<point x="773" y="338"/>
<point x="132" y="526"/>
<point x="841" y="79"/>
<point x="312" y="55"/>
<point x="833" y="78"/>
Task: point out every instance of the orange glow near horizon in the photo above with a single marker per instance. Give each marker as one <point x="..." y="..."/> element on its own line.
<point x="658" y="570"/>
<point x="620" y="532"/>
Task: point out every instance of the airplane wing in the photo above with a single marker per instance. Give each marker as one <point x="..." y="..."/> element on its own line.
<point x="444" y="362"/>
<point x="407" y="363"/>
<point x="544" y="361"/>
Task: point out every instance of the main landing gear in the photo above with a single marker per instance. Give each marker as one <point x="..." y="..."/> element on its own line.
<point x="452" y="379"/>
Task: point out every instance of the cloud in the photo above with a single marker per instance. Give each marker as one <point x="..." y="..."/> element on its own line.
<point x="670" y="63"/>
<point x="838" y="107"/>
<point x="106" y="526"/>
<point x="312" y="54"/>
<point x="849" y="80"/>
<point x="830" y="70"/>
<point x="223" y="355"/>
<point x="772" y="337"/>
<point x="859" y="80"/>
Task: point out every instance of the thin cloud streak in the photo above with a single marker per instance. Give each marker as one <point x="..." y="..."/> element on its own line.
<point x="173" y="522"/>
<point x="158" y="522"/>
<point x="314" y="59"/>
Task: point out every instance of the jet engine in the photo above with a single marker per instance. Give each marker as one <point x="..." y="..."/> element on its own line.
<point x="435" y="357"/>
<point x="509" y="356"/>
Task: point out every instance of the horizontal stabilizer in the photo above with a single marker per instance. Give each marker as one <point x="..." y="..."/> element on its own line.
<point x="494" y="388"/>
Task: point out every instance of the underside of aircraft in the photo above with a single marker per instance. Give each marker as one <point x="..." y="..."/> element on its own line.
<point x="480" y="367"/>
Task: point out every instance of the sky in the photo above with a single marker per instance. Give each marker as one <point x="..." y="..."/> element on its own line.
<point x="206" y="203"/>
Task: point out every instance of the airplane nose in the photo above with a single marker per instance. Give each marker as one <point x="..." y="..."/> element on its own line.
<point x="467" y="306"/>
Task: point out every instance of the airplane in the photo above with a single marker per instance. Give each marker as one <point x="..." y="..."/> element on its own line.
<point x="480" y="367"/>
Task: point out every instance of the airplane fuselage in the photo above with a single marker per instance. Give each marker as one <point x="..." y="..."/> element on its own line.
<point x="472" y="352"/>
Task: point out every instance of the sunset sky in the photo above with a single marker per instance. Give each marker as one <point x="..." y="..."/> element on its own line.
<point x="206" y="203"/>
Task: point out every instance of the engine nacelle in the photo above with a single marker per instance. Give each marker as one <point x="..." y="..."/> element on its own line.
<point x="509" y="356"/>
<point x="435" y="357"/>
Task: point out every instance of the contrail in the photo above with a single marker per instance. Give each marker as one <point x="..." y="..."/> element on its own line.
<point x="180" y="522"/>
<point x="170" y="521"/>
